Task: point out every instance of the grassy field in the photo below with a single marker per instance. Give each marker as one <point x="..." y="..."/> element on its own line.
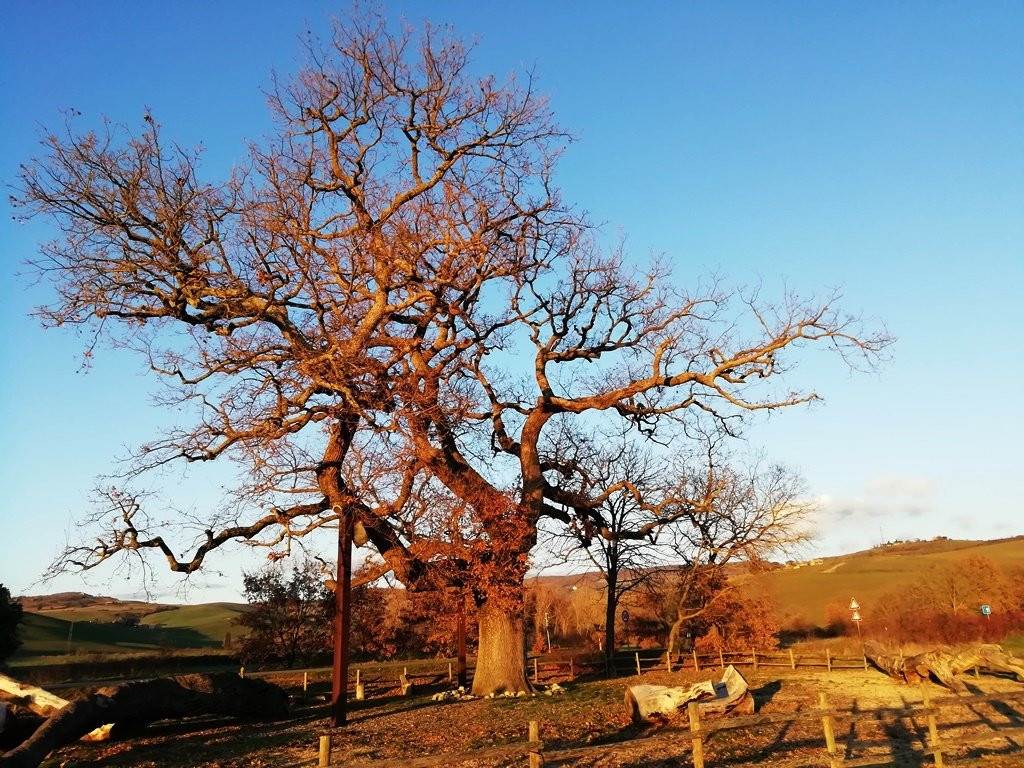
<point x="869" y="575"/>
<point x="91" y="630"/>
<point x="210" y="621"/>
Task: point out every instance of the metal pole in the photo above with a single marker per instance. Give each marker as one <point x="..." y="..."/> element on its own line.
<point x="343" y="605"/>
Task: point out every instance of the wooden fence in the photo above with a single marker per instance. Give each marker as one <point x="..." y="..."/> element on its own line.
<point x="698" y="731"/>
<point x="543" y="671"/>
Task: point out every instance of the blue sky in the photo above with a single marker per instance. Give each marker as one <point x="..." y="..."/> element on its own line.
<point x="877" y="148"/>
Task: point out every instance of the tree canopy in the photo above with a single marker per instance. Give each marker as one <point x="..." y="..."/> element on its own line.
<point x="387" y="314"/>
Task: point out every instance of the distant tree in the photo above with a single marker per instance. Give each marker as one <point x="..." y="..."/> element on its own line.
<point x="962" y="586"/>
<point x="290" y="616"/>
<point x="753" y="512"/>
<point x="10" y="616"/>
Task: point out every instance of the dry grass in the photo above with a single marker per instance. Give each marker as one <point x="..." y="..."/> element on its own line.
<point x="590" y="713"/>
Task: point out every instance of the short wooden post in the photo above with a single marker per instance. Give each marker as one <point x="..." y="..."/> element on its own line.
<point x="449" y="672"/>
<point x="698" y="743"/>
<point x="536" y="760"/>
<point x="696" y="664"/>
<point x="933" y="728"/>
<point x="241" y="671"/>
<point x="325" y="751"/>
<point x="828" y="659"/>
<point x="668" y="661"/>
<point x="753" y="656"/>
<point x="792" y="659"/>
<point x="536" y="676"/>
<point x="976" y="673"/>
<point x="572" y="669"/>
<point x="637" y="653"/>
<point x="721" y="658"/>
<point x="829" y="729"/>
<point x="305" y="682"/>
<point x="360" y="689"/>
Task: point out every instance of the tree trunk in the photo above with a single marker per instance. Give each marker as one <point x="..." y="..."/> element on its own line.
<point x="500" y="661"/>
<point x="673" y="633"/>
<point x="611" y="606"/>
<point x="136" y="704"/>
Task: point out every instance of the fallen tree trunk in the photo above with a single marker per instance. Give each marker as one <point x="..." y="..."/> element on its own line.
<point x="730" y="694"/>
<point x="134" y="705"/>
<point x="39" y="701"/>
<point x="944" y="666"/>
<point x="32" y="697"/>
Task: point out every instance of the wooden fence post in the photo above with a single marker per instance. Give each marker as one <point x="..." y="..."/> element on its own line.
<point x="536" y="761"/>
<point x="792" y="661"/>
<point x="721" y="658"/>
<point x="698" y="743"/>
<point x="933" y="728"/>
<point x="449" y="673"/>
<point x="828" y="728"/>
<point x="360" y="689"/>
<point x="325" y="751"/>
<point x="536" y="675"/>
<point x="572" y="669"/>
<point x="828" y="659"/>
<point x="865" y="663"/>
<point x="305" y="682"/>
<point x="241" y="672"/>
<point x="753" y="656"/>
<point x="696" y="664"/>
<point x="637" y="663"/>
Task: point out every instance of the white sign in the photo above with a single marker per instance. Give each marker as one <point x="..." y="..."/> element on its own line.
<point x="856" y="615"/>
<point x="854" y="605"/>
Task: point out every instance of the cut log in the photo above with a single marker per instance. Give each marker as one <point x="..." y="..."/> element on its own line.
<point x="730" y="694"/>
<point x="41" y="702"/>
<point x="134" y="705"/>
<point x="943" y="665"/>
<point x="642" y="701"/>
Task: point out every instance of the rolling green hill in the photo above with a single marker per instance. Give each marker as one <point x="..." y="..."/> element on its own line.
<point x="868" y="575"/>
<point x="209" y="620"/>
<point x="798" y="592"/>
<point x="91" y="629"/>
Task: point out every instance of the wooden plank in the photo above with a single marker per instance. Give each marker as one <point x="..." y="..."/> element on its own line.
<point x="697" y="749"/>
<point x="535" y="758"/>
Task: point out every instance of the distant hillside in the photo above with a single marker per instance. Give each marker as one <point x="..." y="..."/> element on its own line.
<point x="76" y="623"/>
<point x="77" y="600"/>
<point x="807" y="590"/>
<point x="104" y="624"/>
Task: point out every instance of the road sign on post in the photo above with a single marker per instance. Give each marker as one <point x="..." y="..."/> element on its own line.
<point x="986" y="610"/>
<point x="855" y="607"/>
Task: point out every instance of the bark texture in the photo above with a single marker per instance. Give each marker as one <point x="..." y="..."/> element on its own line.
<point x="945" y="666"/>
<point x="501" y="660"/>
<point x="134" y="705"/>
<point x="730" y="694"/>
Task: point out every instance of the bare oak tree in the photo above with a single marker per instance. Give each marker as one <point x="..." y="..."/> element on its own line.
<point x="381" y="313"/>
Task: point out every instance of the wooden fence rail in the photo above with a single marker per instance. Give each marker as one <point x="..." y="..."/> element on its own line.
<point x="694" y="735"/>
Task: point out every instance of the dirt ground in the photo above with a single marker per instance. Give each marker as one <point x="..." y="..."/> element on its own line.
<point x="590" y="712"/>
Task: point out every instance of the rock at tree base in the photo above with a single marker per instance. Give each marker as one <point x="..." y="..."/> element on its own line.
<point x="730" y="694"/>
